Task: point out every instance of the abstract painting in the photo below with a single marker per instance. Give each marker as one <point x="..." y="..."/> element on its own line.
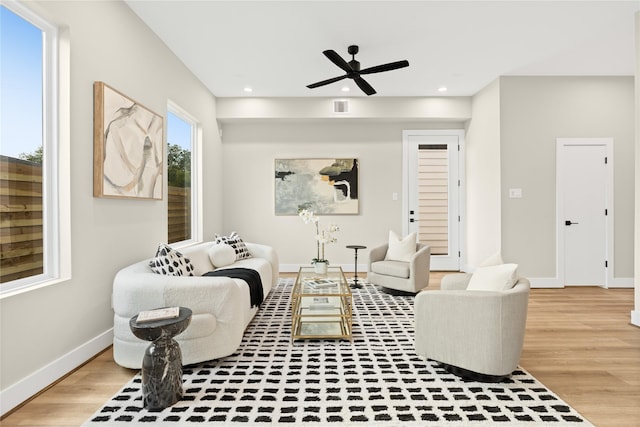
<point x="325" y="186"/>
<point x="128" y="147"/>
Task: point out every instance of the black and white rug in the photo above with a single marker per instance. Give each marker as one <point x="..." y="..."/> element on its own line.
<point x="375" y="380"/>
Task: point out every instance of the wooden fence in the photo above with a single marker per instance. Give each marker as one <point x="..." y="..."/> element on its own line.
<point x="179" y="214"/>
<point x="21" y="245"/>
<point x="21" y="252"/>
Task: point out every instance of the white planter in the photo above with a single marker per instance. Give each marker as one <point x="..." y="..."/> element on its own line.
<point x="320" y="267"/>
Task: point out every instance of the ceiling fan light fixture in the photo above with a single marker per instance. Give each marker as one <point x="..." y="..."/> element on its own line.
<point x="353" y="71"/>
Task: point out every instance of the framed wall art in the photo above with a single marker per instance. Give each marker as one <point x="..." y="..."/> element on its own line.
<point x="128" y="147"/>
<point x="327" y="186"/>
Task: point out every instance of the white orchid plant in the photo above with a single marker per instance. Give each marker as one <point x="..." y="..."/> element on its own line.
<point x="323" y="236"/>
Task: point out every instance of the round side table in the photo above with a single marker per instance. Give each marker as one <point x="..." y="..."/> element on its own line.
<point x="162" y="362"/>
<point x="355" y="275"/>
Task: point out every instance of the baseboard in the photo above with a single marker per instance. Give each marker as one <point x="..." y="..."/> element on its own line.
<point x="635" y="317"/>
<point x="348" y="268"/>
<point x="19" y="392"/>
<point x="621" y="282"/>
<point x="545" y="282"/>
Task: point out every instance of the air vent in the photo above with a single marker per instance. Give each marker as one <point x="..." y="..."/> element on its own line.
<point x="341" y="106"/>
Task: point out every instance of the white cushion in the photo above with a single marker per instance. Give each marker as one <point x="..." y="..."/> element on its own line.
<point x="170" y="262"/>
<point x="494" y="278"/>
<point x="495" y="259"/>
<point x="401" y="249"/>
<point x="222" y="255"/>
<point x="236" y="242"/>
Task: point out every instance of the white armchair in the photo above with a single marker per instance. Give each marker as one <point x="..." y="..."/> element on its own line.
<point x="473" y="333"/>
<point x="411" y="276"/>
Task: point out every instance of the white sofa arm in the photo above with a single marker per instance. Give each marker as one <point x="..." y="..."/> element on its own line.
<point x="420" y="264"/>
<point x="136" y="289"/>
<point x="267" y="252"/>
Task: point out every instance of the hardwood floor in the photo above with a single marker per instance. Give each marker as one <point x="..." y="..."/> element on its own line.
<point x="579" y="343"/>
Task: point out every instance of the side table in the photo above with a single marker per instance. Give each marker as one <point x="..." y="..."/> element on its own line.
<point x="162" y="362"/>
<point x="355" y="275"/>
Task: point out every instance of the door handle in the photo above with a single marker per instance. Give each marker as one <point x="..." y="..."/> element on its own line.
<point x="567" y="222"/>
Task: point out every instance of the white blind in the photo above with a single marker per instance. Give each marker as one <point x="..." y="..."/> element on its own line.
<point x="433" y="198"/>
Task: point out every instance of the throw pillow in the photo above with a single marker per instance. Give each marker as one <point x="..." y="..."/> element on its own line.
<point x="222" y="255"/>
<point x="494" y="278"/>
<point x="236" y="243"/>
<point x="401" y="249"/>
<point x="170" y="262"/>
<point x="495" y="259"/>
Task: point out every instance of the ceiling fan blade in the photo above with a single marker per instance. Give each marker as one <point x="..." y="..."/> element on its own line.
<point x="326" y="82"/>
<point x="337" y="59"/>
<point x="385" y="67"/>
<point x="366" y="87"/>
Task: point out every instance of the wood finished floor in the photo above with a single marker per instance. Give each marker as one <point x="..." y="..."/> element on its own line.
<point x="579" y="343"/>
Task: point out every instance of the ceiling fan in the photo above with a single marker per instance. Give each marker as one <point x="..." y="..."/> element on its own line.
<point x="353" y="71"/>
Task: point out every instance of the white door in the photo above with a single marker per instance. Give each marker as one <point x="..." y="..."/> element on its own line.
<point x="584" y="167"/>
<point x="432" y="193"/>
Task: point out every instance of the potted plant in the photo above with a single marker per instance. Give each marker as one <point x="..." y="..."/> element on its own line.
<point x="323" y="237"/>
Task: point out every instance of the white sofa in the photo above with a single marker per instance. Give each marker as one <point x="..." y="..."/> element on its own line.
<point x="221" y="305"/>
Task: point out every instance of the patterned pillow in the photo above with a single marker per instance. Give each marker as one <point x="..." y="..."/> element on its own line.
<point x="236" y="243"/>
<point x="170" y="262"/>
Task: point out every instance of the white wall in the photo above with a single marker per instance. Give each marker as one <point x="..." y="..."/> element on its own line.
<point x="249" y="150"/>
<point x="483" y="214"/>
<point x="534" y="111"/>
<point x="45" y="330"/>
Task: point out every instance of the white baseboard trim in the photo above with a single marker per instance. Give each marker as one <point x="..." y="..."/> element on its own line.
<point x="545" y="282"/>
<point x="621" y="282"/>
<point x="635" y="317"/>
<point x="348" y="268"/>
<point x="19" y="392"/>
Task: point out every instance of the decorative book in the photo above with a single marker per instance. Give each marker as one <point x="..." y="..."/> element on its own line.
<point x="158" y="314"/>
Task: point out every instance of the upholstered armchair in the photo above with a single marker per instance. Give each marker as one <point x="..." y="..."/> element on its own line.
<point x="406" y="273"/>
<point x="474" y="333"/>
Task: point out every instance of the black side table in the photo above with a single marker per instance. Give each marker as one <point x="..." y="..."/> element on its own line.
<point x="356" y="285"/>
<point x="162" y="362"/>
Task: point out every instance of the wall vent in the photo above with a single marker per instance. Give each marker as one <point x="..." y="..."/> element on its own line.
<point x="341" y="106"/>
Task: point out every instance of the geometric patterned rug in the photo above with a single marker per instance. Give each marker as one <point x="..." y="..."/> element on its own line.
<point x="377" y="379"/>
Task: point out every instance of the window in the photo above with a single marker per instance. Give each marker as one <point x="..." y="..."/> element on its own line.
<point x="182" y="177"/>
<point x="32" y="215"/>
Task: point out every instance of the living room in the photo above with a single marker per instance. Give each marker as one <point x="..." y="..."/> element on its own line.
<point x="47" y="332"/>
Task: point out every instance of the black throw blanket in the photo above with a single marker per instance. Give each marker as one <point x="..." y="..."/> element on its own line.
<point x="252" y="277"/>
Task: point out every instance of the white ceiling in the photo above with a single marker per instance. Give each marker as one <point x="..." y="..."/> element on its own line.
<point x="276" y="46"/>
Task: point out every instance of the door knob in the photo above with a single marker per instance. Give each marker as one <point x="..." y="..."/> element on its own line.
<point x="567" y="222"/>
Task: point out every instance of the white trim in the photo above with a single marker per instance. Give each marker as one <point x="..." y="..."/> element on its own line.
<point x="457" y="234"/>
<point x="635" y="317"/>
<point x="196" y="173"/>
<point x="56" y="127"/>
<point x="608" y="144"/>
<point x="621" y="282"/>
<point x="545" y="282"/>
<point x="24" y="389"/>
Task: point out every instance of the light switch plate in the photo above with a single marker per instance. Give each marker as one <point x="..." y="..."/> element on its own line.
<point x="515" y="193"/>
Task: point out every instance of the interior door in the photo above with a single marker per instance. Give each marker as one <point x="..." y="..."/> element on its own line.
<point x="432" y="193"/>
<point x="583" y="194"/>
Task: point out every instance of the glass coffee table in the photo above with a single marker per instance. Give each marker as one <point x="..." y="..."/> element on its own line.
<point x="321" y="305"/>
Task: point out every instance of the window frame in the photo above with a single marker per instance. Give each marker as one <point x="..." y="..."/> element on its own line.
<point x="196" y="174"/>
<point x="56" y="155"/>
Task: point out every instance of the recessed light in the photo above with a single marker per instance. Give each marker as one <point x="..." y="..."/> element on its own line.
<point x="248" y="89"/>
<point x="442" y="89"/>
<point x="345" y="89"/>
